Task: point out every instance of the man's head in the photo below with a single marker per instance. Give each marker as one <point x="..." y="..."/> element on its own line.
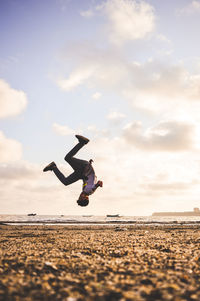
<point x="83" y="199"/>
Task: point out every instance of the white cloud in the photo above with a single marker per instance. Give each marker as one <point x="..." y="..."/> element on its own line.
<point x="163" y="38"/>
<point x="12" y="102"/>
<point x="159" y="187"/>
<point x="97" y="132"/>
<point x="18" y="171"/>
<point x="191" y="8"/>
<point x="62" y="130"/>
<point x="95" y="68"/>
<point x="24" y="188"/>
<point x="76" y="78"/>
<point x="140" y="182"/>
<point x="165" y="136"/>
<point x="87" y="13"/>
<point x="96" y="95"/>
<point x="196" y="4"/>
<point x="64" y="4"/>
<point x="116" y="117"/>
<point x="10" y="149"/>
<point x="153" y="86"/>
<point x="129" y="20"/>
<point x="162" y="88"/>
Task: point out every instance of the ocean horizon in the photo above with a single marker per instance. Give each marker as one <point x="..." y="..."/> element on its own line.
<point x="95" y="219"/>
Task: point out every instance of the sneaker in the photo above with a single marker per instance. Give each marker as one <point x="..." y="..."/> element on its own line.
<point x="82" y="139"/>
<point x="50" y="166"/>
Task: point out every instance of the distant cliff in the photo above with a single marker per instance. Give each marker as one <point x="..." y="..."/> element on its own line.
<point x="195" y="212"/>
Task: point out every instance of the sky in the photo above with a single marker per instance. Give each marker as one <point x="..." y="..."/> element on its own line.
<point x="125" y="74"/>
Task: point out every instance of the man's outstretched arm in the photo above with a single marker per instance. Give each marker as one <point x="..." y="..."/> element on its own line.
<point x="98" y="184"/>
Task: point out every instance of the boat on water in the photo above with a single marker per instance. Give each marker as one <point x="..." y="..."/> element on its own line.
<point x="195" y="212"/>
<point x="32" y="214"/>
<point x="112" y="215"/>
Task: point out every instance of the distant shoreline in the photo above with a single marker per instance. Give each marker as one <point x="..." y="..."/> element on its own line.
<point x="195" y="212"/>
<point x="103" y="226"/>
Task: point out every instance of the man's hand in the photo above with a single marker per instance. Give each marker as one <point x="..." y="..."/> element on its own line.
<point x="99" y="184"/>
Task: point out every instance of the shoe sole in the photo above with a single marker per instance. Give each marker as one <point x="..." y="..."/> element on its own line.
<point x="83" y="139"/>
<point x="49" y="166"/>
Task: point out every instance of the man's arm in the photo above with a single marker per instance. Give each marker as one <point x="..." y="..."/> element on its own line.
<point x="98" y="184"/>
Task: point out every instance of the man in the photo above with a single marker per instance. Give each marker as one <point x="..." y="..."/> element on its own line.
<point x="82" y="170"/>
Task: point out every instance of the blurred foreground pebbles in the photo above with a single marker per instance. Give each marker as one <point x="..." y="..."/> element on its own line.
<point x="83" y="263"/>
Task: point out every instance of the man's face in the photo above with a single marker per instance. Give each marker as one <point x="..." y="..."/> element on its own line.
<point x="83" y="196"/>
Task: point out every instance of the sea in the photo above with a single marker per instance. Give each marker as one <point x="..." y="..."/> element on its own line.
<point x="97" y="220"/>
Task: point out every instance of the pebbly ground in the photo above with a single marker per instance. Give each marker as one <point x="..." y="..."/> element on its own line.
<point x="98" y="263"/>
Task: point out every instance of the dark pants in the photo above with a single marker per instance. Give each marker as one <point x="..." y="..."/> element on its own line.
<point x="77" y="165"/>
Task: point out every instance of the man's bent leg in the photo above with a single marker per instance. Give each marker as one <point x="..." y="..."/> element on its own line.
<point x="74" y="151"/>
<point x="82" y="141"/>
<point x="78" y="165"/>
<point x="66" y="180"/>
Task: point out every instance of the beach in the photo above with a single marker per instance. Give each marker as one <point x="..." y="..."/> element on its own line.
<point x="44" y="262"/>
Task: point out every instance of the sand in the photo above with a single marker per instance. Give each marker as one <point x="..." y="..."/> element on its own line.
<point x="99" y="263"/>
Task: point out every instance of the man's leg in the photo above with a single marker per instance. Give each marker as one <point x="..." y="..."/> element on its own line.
<point x="82" y="141"/>
<point x="75" y="163"/>
<point x="66" y="180"/>
<point x="74" y="151"/>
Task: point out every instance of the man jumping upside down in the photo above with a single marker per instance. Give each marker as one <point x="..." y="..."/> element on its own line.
<point x="83" y="170"/>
